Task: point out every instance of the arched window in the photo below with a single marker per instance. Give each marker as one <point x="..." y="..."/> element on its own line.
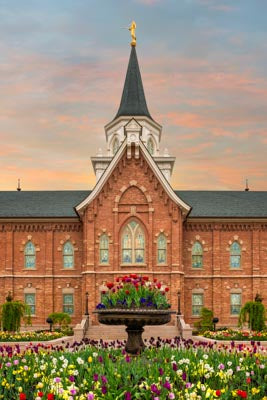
<point x="235" y="255"/>
<point x="29" y="255"/>
<point x="68" y="255"/>
<point x="115" y="146"/>
<point x="133" y="244"/>
<point x="103" y="248"/>
<point x="197" y="255"/>
<point x="162" y="249"/>
<point x="150" y="146"/>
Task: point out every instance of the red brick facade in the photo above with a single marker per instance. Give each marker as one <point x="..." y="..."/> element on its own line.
<point x="133" y="192"/>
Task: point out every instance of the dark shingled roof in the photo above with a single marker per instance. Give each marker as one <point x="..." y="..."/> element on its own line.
<point x="228" y="204"/>
<point x="133" y="101"/>
<point x="41" y="204"/>
<point x="204" y="203"/>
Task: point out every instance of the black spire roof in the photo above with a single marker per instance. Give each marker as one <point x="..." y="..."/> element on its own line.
<point x="133" y="101"/>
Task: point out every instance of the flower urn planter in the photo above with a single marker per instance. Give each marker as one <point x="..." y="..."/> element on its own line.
<point x="135" y="320"/>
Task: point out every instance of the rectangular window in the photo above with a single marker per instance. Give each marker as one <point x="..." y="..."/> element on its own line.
<point x="235" y="306"/>
<point x="235" y="261"/>
<point x="29" y="299"/>
<point x="68" y="303"/>
<point x="197" y="261"/>
<point x="197" y="303"/>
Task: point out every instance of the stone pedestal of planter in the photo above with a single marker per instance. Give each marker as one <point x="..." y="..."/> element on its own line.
<point x="135" y="320"/>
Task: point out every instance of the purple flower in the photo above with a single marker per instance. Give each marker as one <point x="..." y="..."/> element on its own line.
<point x="161" y="372"/>
<point x="100" y="359"/>
<point x="127" y="359"/>
<point x="104" y="389"/>
<point x="174" y="366"/>
<point x="90" y="396"/>
<point x="221" y="366"/>
<point x="188" y="385"/>
<point x="154" y="389"/>
<point x="71" y="378"/>
<point x="95" y="377"/>
<point x="171" y="395"/>
<point x="184" y="376"/>
<point x="128" y="396"/>
<point x="167" y="385"/>
<point x="104" y="379"/>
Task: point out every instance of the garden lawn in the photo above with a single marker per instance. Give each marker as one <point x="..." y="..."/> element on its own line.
<point x="170" y="369"/>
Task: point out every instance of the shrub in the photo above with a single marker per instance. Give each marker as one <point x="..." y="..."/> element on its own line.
<point x="205" y="322"/>
<point x="61" y="319"/>
<point x="12" y="311"/>
<point x="254" y="313"/>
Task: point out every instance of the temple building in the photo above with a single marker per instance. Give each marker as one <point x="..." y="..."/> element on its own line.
<point x="208" y="246"/>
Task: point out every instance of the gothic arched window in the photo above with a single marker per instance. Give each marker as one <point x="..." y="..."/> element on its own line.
<point x="150" y="146"/>
<point x="68" y="255"/>
<point x="29" y="255"/>
<point x="235" y="255"/>
<point x="103" y="248"/>
<point x="162" y="249"/>
<point x="133" y="244"/>
<point x="197" y="255"/>
<point x="115" y="146"/>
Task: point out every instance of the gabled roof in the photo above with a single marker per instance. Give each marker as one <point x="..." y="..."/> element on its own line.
<point x="103" y="179"/>
<point x="225" y="204"/>
<point x="41" y="204"/>
<point x="133" y="101"/>
<point x="204" y="203"/>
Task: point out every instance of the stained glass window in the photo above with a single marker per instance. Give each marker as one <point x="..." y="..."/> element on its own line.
<point x="197" y="255"/>
<point x="235" y="255"/>
<point x="197" y="303"/>
<point x="150" y="146"/>
<point x="104" y="249"/>
<point x="162" y="249"/>
<point x="133" y="244"/>
<point x="68" y="305"/>
<point x="29" y="299"/>
<point x="29" y="255"/>
<point x="68" y="255"/>
<point x="116" y="146"/>
<point x="235" y="305"/>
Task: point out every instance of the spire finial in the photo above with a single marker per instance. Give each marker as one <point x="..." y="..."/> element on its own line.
<point x="247" y="188"/>
<point x="19" y="188"/>
<point x="132" y="29"/>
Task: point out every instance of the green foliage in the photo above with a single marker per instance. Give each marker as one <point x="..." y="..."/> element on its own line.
<point x="205" y="322"/>
<point x="60" y="318"/>
<point x="12" y="312"/>
<point x="254" y="313"/>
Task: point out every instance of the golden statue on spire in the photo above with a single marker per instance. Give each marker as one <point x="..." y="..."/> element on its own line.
<point x="132" y="29"/>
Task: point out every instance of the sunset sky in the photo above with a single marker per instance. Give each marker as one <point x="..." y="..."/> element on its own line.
<point x="204" y="71"/>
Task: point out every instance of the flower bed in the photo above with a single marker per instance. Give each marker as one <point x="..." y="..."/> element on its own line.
<point x="29" y="336"/>
<point x="231" y="334"/>
<point x="134" y="291"/>
<point x="168" y="369"/>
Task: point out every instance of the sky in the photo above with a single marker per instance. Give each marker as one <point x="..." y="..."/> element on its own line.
<point x="204" y="70"/>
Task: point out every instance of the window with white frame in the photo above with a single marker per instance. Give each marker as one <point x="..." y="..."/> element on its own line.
<point x="104" y="249"/>
<point x="235" y="303"/>
<point x="197" y="303"/>
<point x="29" y="255"/>
<point x="29" y="299"/>
<point x="162" y="249"/>
<point x="197" y="255"/>
<point x="133" y="244"/>
<point x="68" y="303"/>
<point x="235" y="255"/>
<point x="68" y="255"/>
